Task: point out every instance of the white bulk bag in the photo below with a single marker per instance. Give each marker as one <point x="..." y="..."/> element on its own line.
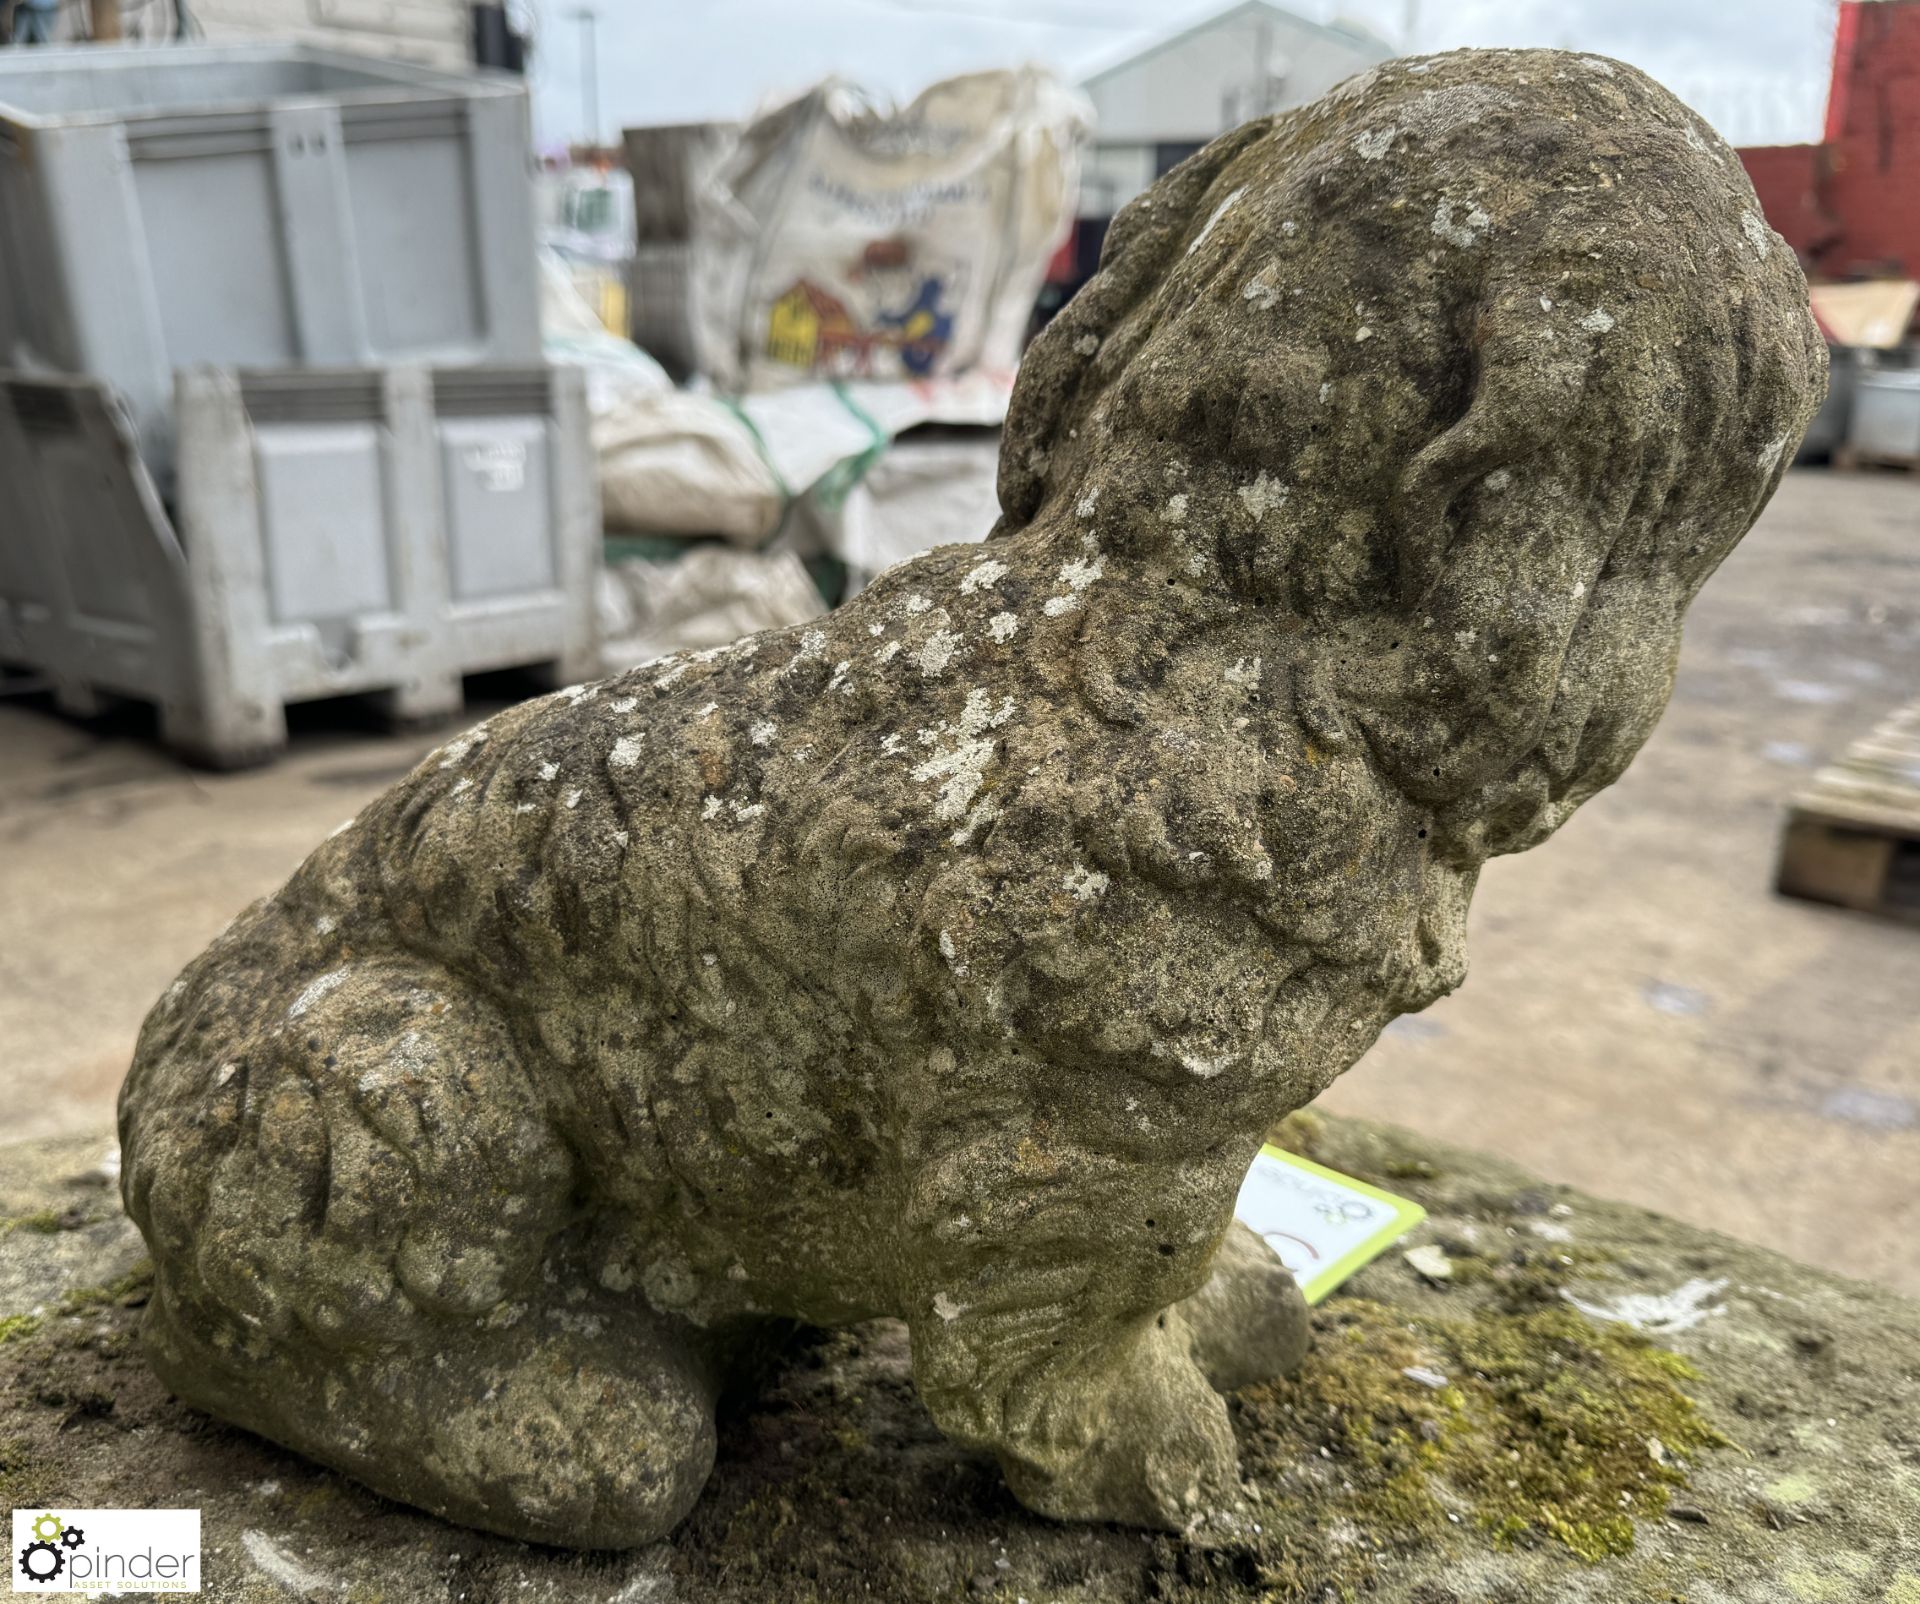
<point x="844" y="240"/>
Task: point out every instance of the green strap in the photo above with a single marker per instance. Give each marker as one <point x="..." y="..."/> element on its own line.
<point x="837" y="483"/>
<point x="766" y="456"/>
<point x="651" y="548"/>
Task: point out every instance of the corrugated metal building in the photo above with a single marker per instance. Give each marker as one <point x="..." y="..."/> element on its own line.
<point x="1158" y="105"/>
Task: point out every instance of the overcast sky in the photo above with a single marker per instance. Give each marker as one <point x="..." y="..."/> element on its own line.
<point x="1756" y="68"/>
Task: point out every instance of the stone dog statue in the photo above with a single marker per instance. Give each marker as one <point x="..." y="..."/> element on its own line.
<point x="948" y="959"/>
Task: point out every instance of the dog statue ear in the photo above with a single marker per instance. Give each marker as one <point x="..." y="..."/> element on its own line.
<point x="1529" y="381"/>
<point x="1060" y="373"/>
<point x="1423" y="519"/>
<point x="1501" y="534"/>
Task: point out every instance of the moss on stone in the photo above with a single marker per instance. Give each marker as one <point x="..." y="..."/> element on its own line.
<point x="1530" y="1275"/>
<point x="1300" y="1132"/>
<point x="129" y="1290"/>
<point x="1532" y="1426"/>
<point x="45" y="1222"/>
<point x="25" y="1474"/>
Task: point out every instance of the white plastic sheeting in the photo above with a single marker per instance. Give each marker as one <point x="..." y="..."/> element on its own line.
<point x="711" y="595"/>
<point x="673" y="462"/>
<point x="933" y="491"/>
<point x="685" y="463"/>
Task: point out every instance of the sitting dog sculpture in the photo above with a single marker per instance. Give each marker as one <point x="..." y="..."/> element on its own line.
<point x="949" y="958"/>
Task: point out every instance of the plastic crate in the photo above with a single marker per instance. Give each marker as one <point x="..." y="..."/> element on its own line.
<point x="257" y="206"/>
<point x="373" y="531"/>
<point x="1885" y="426"/>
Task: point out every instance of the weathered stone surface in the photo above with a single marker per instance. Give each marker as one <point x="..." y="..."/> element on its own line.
<point x="947" y="959"/>
<point x="833" y="1486"/>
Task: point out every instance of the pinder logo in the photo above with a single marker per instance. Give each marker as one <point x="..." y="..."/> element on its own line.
<point x="118" y="1550"/>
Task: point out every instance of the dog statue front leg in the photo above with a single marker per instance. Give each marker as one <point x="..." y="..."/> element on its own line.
<point x="1249" y="1322"/>
<point x="1094" y="1413"/>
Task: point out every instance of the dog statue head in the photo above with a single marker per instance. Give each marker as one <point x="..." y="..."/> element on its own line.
<point x="1465" y="379"/>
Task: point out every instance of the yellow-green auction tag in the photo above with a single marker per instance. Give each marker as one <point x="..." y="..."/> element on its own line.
<point x="1322" y="1224"/>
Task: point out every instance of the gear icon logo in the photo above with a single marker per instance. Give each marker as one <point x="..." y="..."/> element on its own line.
<point x="44" y="1559"/>
<point x="41" y="1561"/>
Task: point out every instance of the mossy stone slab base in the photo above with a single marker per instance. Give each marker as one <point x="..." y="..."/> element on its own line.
<point x="1490" y="1434"/>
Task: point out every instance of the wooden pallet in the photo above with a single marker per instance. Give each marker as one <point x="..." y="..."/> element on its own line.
<point x="409" y="709"/>
<point x="1853" y="836"/>
<point x="1850" y="459"/>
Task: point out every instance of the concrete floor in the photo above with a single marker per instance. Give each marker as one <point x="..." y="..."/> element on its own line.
<point x="1644" y="1018"/>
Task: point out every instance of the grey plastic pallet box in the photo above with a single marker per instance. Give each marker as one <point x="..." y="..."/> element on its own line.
<point x="1886" y="416"/>
<point x="376" y="531"/>
<point x="258" y="206"/>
